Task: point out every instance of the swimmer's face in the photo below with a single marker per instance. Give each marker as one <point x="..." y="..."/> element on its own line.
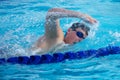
<point x="75" y="36"/>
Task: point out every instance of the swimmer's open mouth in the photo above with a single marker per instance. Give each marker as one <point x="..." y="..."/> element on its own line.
<point x="74" y="42"/>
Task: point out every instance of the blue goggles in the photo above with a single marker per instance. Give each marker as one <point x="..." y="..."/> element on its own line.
<point x="80" y="34"/>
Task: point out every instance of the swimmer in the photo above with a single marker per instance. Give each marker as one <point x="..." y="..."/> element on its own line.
<point x="54" y="35"/>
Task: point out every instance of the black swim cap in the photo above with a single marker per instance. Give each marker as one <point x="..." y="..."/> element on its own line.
<point x="83" y="26"/>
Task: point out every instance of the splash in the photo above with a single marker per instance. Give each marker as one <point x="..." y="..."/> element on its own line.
<point x="93" y="28"/>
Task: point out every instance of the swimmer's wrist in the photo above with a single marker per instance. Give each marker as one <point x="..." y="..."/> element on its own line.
<point x="88" y="19"/>
<point x="83" y="16"/>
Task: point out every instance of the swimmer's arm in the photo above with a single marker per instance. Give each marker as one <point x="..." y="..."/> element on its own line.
<point x="57" y="13"/>
<point x="52" y="26"/>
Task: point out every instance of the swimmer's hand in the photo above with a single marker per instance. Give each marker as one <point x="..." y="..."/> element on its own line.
<point x="89" y="19"/>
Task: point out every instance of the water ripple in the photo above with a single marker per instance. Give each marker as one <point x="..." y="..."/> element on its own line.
<point x="40" y="8"/>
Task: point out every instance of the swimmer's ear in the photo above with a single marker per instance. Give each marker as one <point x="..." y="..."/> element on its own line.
<point x="69" y="30"/>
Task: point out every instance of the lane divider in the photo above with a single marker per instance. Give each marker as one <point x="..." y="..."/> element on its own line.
<point x="59" y="57"/>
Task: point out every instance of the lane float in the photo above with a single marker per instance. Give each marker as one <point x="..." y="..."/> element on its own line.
<point x="59" y="57"/>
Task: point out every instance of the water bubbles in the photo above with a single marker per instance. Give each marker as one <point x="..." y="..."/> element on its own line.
<point x="116" y="34"/>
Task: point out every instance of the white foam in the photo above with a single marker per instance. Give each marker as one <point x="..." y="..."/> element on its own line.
<point x="116" y="35"/>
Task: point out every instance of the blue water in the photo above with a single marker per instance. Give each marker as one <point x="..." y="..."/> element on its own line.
<point x="22" y="22"/>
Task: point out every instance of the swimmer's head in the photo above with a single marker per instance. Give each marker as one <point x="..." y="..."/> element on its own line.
<point x="76" y="33"/>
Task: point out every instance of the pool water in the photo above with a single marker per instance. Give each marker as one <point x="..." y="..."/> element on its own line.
<point x="22" y="22"/>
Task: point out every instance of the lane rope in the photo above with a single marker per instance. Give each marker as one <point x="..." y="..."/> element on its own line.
<point x="59" y="57"/>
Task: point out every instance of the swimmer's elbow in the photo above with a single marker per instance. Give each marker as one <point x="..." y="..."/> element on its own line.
<point x="50" y="15"/>
<point x="54" y="13"/>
